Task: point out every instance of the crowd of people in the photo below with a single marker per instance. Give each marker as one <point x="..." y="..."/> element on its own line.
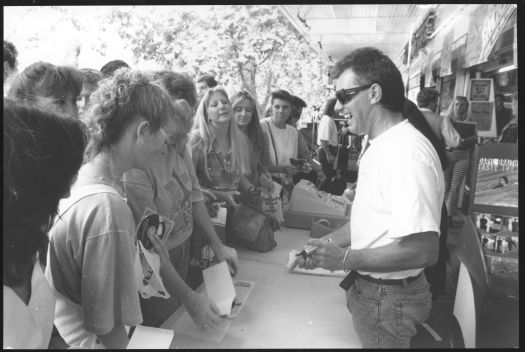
<point x="87" y="152"/>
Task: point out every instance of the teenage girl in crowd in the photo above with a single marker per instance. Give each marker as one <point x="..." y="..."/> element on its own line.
<point x="170" y="187"/>
<point x="50" y="87"/>
<point x="92" y="243"/>
<point x="42" y="156"/>
<point x="247" y="119"/>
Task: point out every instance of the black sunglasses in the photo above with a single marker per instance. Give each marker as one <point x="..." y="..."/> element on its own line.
<point x="345" y="95"/>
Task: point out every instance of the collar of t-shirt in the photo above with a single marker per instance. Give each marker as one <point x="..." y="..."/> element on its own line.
<point x="390" y="131"/>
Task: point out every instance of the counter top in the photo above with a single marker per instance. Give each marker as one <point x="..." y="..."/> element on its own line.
<point x="284" y="310"/>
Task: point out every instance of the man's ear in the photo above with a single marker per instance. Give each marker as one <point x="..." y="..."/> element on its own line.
<point x="375" y="93"/>
<point x="142" y="129"/>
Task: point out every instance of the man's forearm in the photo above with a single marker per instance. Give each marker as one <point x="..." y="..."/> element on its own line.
<point x="201" y="218"/>
<point x="341" y="236"/>
<point x="410" y="252"/>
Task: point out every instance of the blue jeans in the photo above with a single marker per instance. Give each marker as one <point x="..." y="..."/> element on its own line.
<point x="386" y="316"/>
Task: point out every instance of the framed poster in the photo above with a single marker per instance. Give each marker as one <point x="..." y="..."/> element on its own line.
<point x="481" y="114"/>
<point x="480" y="89"/>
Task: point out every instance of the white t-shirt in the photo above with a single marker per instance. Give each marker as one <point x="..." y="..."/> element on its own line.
<point x="327" y="131"/>
<point x="285" y="139"/>
<point x="29" y="326"/>
<point x="399" y="192"/>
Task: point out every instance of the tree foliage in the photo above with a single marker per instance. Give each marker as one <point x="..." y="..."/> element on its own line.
<point x="245" y="47"/>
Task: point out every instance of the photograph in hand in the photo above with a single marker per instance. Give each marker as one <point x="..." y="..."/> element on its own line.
<point x="152" y="224"/>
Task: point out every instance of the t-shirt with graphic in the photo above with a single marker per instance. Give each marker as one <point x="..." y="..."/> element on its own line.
<point x="169" y="188"/>
<point x="221" y="176"/>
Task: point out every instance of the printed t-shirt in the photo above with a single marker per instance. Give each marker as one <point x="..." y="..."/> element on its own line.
<point x="169" y="187"/>
<point x="221" y="175"/>
<point x="399" y="192"/>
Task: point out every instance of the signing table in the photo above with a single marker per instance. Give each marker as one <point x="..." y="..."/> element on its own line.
<point x="283" y="310"/>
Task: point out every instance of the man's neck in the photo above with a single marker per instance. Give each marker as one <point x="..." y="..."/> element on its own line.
<point x="278" y="123"/>
<point x="382" y="120"/>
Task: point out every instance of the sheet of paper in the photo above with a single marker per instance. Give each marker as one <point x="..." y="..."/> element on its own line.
<point x="145" y="337"/>
<point x="219" y="286"/>
<point x="185" y="325"/>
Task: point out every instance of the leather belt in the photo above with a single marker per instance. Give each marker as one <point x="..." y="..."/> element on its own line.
<point x="390" y="282"/>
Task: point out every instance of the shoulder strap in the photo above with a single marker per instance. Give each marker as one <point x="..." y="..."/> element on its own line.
<point x="84" y="191"/>
<point x="273" y="143"/>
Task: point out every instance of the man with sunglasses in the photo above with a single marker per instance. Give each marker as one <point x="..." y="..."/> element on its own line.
<point x="394" y="227"/>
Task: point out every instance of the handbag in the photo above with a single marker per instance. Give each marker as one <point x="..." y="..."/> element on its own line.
<point x="254" y="229"/>
<point x="450" y="135"/>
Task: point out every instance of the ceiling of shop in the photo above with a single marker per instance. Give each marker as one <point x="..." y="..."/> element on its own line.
<point x="335" y="30"/>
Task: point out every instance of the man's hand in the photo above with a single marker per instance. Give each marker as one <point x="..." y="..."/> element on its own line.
<point x="203" y="312"/>
<point x="228" y="254"/>
<point x="327" y="255"/>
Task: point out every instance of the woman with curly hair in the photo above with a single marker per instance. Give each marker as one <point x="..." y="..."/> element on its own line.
<point x="170" y="187"/>
<point x="92" y="243"/>
<point x="48" y="86"/>
<point x="42" y="156"/>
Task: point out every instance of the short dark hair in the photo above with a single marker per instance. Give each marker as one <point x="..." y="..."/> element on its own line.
<point x="10" y="53"/>
<point x="91" y="76"/>
<point x="209" y="79"/>
<point x="179" y="85"/>
<point x="283" y="95"/>
<point x="426" y="96"/>
<point x="42" y="155"/>
<point x="45" y="79"/>
<point x="372" y="65"/>
<point x="298" y="102"/>
<point x="110" y="68"/>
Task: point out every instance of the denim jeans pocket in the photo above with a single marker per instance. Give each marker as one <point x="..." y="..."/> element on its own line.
<point x="412" y="310"/>
<point x="360" y="306"/>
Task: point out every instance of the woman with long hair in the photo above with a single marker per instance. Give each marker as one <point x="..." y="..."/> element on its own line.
<point x="219" y="148"/>
<point x="42" y="156"/>
<point x="247" y="118"/>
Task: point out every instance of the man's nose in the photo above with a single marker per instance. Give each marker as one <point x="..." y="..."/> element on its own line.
<point x="338" y="106"/>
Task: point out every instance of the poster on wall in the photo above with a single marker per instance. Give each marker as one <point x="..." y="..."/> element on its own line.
<point x="448" y="86"/>
<point x="486" y="23"/>
<point x="446" y="54"/>
<point x="429" y="80"/>
<point x="481" y="114"/>
<point x="480" y="89"/>
<point x="481" y="106"/>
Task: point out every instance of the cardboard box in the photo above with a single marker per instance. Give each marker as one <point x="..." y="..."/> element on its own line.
<point x="302" y="220"/>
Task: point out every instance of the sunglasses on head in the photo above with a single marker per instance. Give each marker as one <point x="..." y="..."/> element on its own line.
<point x="346" y="95"/>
